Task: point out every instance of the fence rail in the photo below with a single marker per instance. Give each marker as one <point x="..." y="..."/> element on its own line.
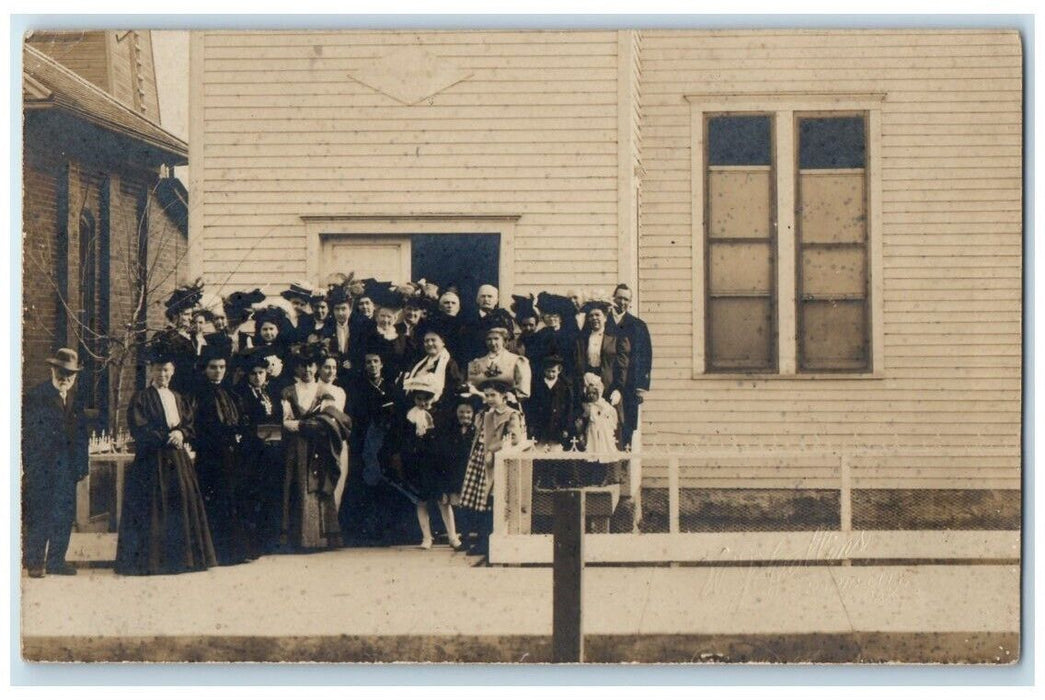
<point x="514" y="543"/>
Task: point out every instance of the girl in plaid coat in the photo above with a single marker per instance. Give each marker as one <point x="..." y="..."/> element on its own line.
<point x="498" y="426"/>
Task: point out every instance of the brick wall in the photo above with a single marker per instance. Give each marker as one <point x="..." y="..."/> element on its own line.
<point x="52" y="178"/>
<point x="40" y="240"/>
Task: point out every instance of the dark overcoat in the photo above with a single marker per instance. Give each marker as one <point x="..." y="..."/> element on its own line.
<point x="219" y="431"/>
<point x="54" y="458"/>
<point x="163" y="526"/>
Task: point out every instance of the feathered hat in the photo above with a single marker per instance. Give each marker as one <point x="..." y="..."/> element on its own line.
<point x="184" y="297"/>
<point x="298" y="290"/>
<point x="555" y="304"/>
<point x="523" y="307"/>
<point x="238" y="304"/>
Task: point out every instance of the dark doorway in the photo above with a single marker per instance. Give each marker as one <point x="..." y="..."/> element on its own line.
<point x="464" y="260"/>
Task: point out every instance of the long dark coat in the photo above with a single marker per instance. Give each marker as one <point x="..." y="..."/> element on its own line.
<point x="163" y="527"/>
<point x="262" y="468"/>
<point x="550" y="412"/>
<point x="424" y="467"/>
<point x="54" y="458"/>
<point x="640" y="366"/>
<point x="366" y="512"/>
<point x="219" y="430"/>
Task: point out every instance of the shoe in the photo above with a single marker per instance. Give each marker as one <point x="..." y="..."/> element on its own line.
<point x="63" y="569"/>
<point x="456" y="544"/>
<point x="36" y="572"/>
<point x="426" y="543"/>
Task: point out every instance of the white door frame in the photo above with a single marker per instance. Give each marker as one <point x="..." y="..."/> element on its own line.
<point x="403" y="243"/>
<point x="319" y="227"/>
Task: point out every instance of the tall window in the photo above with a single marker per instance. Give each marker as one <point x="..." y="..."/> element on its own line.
<point x="740" y="206"/>
<point x="784" y="249"/>
<point x="89" y="321"/>
<point x="831" y="218"/>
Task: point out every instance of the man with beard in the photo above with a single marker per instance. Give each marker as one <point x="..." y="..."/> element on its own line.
<point x="54" y="459"/>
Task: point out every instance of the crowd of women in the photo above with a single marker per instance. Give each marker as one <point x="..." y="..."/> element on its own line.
<point x="339" y="418"/>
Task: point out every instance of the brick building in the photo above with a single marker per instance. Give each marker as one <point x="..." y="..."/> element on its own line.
<point x="102" y="216"/>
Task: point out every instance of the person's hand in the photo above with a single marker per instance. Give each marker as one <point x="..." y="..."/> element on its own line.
<point x="176" y="439"/>
<point x="291" y="425"/>
<point x="615" y="397"/>
<point x="640" y="395"/>
<point x="346" y="364"/>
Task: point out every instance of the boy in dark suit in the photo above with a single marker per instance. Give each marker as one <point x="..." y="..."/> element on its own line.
<point x="549" y="410"/>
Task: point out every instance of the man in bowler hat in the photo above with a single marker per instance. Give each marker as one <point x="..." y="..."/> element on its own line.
<point x="54" y="459"/>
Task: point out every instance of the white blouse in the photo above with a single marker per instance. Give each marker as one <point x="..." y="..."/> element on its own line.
<point x="170" y="406"/>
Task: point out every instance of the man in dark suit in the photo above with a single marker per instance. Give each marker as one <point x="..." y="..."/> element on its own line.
<point x="625" y="324"/>
<point x="344" y="344"/>
<point x="54" y="459"/>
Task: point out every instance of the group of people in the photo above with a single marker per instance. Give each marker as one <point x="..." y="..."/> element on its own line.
<point x="340" y="422"/>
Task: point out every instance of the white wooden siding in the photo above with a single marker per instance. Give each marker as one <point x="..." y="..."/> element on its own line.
<point x="287" y="133"/>
<point x="952" y="243"/>
<point x="280" y="131"/>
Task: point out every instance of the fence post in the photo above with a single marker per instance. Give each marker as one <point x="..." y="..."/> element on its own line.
<point x="568" y="577"/>
<point x="673" y="495"/>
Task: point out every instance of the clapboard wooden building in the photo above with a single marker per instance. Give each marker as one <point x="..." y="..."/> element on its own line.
<point x="823" y="229"/>
<point x="102" y="217"/>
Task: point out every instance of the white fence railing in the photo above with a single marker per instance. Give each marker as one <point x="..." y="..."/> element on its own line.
<point x="514" y="543"/>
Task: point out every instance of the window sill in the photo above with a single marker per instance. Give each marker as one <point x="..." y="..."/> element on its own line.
<point x="814" y="376"/>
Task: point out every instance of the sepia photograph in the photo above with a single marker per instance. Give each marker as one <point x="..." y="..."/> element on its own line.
<point x="670" y="345"/>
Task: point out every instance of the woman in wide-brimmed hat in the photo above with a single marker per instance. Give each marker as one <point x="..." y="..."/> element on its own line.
<point x="384" y="339"/>
<point x="417" y="434"/>
<point x="437" y="365"/>
<point x="313" y="432"/>
<point x="300" y="322"/>
<point x="163" y="525"/>
<point x="177" y="337"/>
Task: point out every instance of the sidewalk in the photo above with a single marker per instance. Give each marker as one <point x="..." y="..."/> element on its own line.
<point x="412" y="605"/>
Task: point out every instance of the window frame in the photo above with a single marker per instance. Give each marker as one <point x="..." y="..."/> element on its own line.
<point x="783" y="108"/>
<point x="709" y="241"/>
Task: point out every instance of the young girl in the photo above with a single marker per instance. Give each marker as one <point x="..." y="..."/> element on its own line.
<point x="598" y="427"/>
<point x="497" y="426"/>
<point x="419" y="434"/>
<point x="456" y="442"/>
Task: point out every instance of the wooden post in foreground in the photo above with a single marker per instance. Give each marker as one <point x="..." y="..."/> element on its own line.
<point x="568" y="577"/>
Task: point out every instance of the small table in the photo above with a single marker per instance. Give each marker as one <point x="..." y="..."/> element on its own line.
<point x="99" y="496"/>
